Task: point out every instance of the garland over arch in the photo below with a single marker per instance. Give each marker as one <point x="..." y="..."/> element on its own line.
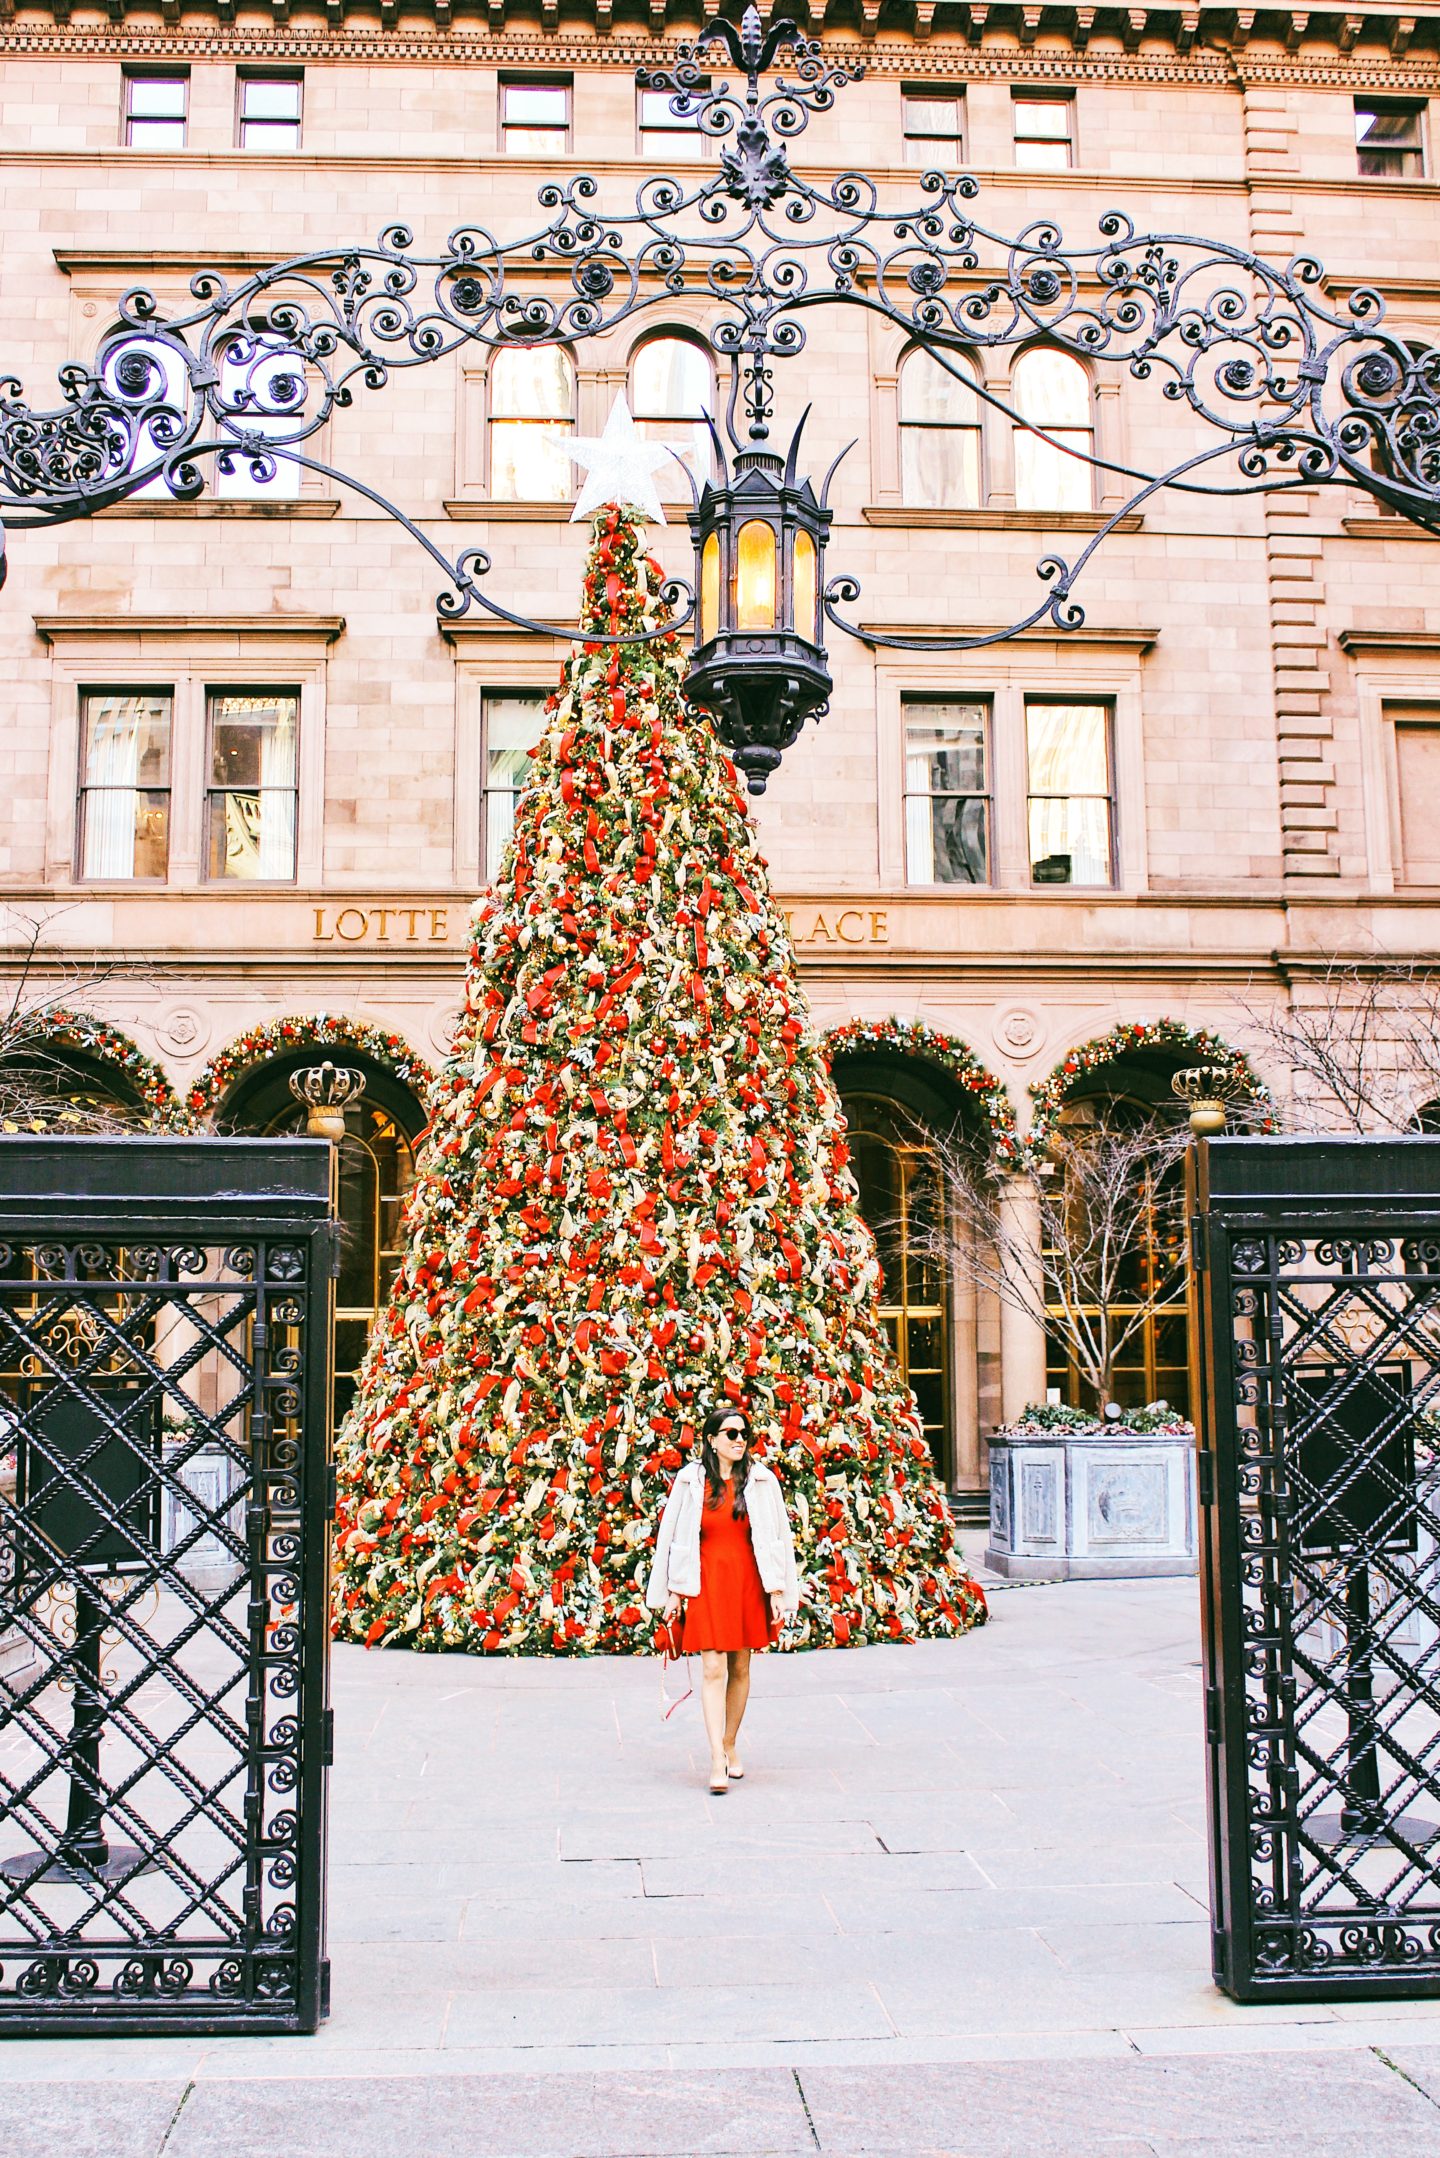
<point x="1241" y="1082"/>
<point x="305" y="1030"/>
<point x="164" y="1110"/>
<point x="944" y="1053"/>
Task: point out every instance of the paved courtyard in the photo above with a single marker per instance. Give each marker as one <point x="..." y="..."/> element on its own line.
<point x="958" y="1906"/>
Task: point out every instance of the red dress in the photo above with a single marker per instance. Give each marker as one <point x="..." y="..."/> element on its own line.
<point x="732" y="1609"/>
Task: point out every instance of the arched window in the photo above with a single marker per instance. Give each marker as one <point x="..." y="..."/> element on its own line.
<point x="939" y="434"/>
<point x="1115" y="1226"/>
<point x="671" y="388"/>
<point x="1053" y="391"/>
<point x="263" y="391"/>
<point x="144" y="372"/>
<point x="58" y="1084"/>
<point x="377" y="1169"/>
<point x="532" y="408"/>
<point x="902" y="1200"/>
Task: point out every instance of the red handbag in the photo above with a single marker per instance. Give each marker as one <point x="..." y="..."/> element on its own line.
<point x="668" y="1636"/>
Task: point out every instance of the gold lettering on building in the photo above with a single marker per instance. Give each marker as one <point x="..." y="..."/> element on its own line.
<point x="381" y="925"/>
<point x="826" y="927"/>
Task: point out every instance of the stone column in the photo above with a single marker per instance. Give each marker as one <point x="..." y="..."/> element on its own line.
<point x="1022" y="1338"/>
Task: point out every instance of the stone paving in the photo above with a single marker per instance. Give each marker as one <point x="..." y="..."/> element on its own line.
<point x="958" y="1906"/>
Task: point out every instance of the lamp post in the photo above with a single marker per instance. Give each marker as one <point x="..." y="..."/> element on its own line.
<point x="759" y="667"/>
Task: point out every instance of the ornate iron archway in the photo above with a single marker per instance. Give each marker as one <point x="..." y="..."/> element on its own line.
<point x="1294" y="392"/>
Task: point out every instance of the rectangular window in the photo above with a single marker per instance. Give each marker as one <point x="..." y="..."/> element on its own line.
<point x="155" y="109"/>
<point x="947" y="792"/>
<point x="535" y="116"/>
<point x="1389" y="142"/>
<point x="253" y="793"/>
<point x="1044" y="132"/>
<point x="665" y="136"/>
<point x="1071" y="799"/>
<point x="933" y="128"/>
<point x="1417" y="787"/>
<point x="514" y="720"/>
<point x="124" y="818"/>
<point x="268" y="107"/>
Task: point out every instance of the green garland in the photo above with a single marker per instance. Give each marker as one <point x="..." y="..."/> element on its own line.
<point x="304" y="1030"/>
<point x="81" y="1030"/>
<point x="913" y="1038"/>
<point x="1241" y="1083"/>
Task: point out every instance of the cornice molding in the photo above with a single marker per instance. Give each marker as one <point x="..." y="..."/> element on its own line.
<point x="1368" y="48"/>
<point x="60" y="628"/>
<point x="1128" y="639"/>
<point x="1388" y="640"/>
<point x="902" y="516"/>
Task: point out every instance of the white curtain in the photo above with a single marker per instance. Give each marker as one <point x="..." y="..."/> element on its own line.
<point x="277" y="798"/>
<point x="112" y="772"/>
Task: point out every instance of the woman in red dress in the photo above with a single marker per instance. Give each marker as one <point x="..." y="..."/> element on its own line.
<point x="725" y="1553"/>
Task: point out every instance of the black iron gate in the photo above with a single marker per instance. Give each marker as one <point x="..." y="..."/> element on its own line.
<point x="164" y="1420"/>
<point x="1318" y="1282"/>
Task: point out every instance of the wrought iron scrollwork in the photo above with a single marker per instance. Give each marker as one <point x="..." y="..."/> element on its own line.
<point x="1288" y="387"/>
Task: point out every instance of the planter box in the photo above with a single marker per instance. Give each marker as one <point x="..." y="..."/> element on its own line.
<point x="1092" y="1505"/>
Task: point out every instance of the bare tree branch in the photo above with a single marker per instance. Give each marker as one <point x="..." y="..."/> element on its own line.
<point x="1361" y="1047"/>
<point x="37" y="1082"/>
<point x="1109" y="1193"/>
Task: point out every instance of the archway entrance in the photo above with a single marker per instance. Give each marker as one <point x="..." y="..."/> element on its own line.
<point x="1146" y="1308"/>
<point x="904" y="1116"/>
<point x="376" y="1171"/>
<point x="902" y="1199"/>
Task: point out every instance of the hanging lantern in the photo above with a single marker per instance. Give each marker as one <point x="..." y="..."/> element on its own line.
<point x="759" y="667"/>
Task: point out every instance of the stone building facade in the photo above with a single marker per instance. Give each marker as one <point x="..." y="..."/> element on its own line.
<point x="253" y="783"/>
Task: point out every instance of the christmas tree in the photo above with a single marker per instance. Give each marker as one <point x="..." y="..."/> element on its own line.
<point x="633" y="1203"/>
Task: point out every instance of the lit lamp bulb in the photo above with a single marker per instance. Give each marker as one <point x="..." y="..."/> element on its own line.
<point x="755" y="576"/>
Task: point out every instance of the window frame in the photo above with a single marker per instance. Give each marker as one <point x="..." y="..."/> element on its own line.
<point x="1019" y="426"/>
<point x="288" y="486"/>
<point x="534" y="79"/>
<point x="960" y="427"/>
<point x="569" y="423"/>
<point x="129" y="76"/>
<point x="1418" y="107"/>
<point x="678" y="334"/>
<point x="912" y="701"/>
<point x="497" y="693"/>
<point x="1019" y="99"/>
<point x="245" y="76"/>
<point x="931" y="94"/>
<point x="84" y="788"/>
<point x="1033" y="700"/>
<point x="676" y="127"/>
<point x="213" y="691"/>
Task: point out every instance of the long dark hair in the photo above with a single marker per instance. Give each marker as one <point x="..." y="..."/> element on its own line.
<point x="714" y="1480"/>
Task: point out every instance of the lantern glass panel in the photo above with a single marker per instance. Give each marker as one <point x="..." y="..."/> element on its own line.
<point x="710" y="588"/>
<point x="803" y="586"/>
<point x="755" y="576"/>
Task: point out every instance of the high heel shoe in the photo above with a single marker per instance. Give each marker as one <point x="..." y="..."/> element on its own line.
<point x="719" y="1781"/>
<point x="733" y="1770"/>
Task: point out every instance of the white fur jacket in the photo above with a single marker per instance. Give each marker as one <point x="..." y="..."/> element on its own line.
<point x="675" y="1569"/>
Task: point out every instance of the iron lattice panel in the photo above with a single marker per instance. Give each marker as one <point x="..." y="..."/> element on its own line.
<point x="162" y="1662"/>
<point x="1325" y="1607"/>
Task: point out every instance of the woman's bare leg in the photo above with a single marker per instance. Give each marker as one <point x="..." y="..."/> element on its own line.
<point x="714" y="1686"/>
<point x="737" y="1694"/>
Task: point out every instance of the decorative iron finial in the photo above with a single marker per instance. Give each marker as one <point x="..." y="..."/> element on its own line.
<point x="1203" y="1086"/>
<point x="327" y="1090"/>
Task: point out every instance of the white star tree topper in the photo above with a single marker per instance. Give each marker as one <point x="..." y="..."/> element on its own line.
<point x="620" y="467"/>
